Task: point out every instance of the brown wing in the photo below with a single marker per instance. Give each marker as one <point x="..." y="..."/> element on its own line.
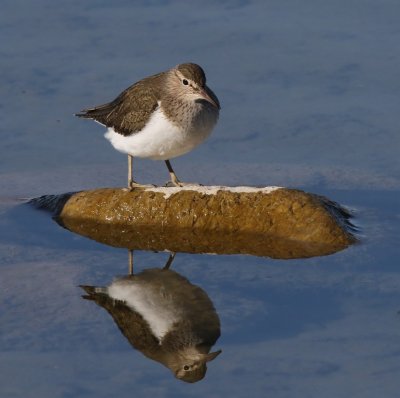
<point x="131" y="110"/>
<point x="130" y="323"/>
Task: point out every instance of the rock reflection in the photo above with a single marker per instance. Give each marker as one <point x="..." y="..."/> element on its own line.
<point x="306" y="225"/>
<point x="165" y="317"/>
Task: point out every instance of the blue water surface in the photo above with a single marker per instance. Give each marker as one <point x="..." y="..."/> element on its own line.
<point x="309" y="93"/>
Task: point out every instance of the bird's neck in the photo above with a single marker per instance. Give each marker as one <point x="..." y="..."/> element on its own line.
<point x="180" y="111"/>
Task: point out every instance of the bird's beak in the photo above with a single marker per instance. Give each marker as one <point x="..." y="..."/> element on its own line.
<point x="212" y="355"/>
<point x="208" y="98"/>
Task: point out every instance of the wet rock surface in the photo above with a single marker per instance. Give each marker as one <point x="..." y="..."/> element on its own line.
<point x="272" y="222"/>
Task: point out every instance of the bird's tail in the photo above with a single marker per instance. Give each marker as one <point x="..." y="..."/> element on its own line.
<point x="98" y="111"/>
<point x="93" y="291"/>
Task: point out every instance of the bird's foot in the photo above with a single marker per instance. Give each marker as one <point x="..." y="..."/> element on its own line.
<point x="181" y="184"/>
<point x="135" y="185"/>
<point x="174" y="182"/>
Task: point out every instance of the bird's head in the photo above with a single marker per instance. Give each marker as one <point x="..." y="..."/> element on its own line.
<point x="192" y="366"/>
<point x="189" y="82"/>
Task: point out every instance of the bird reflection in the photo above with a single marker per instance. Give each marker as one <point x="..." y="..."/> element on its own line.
<point x="164" y="316"/>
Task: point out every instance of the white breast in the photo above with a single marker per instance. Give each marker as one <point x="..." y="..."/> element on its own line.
<point x="160" y="139"/>
<point x="155" y="308"/>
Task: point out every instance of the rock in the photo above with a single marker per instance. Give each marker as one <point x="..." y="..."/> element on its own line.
<point x="271" y="221"/>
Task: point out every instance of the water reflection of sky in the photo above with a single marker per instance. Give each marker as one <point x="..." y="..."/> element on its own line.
<point x="309" y="97"/>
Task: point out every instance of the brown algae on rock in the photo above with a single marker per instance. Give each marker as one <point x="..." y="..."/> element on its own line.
<point x="271" y="221"/>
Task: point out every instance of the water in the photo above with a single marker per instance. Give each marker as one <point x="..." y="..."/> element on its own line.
<point x="309" y="95"/>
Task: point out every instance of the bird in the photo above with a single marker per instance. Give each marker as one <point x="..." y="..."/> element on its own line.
<point x="165" y="317"/>
<point x="160" y="117"/>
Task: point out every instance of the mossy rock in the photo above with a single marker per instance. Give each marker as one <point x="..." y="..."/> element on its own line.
<point x="270" y="221"/>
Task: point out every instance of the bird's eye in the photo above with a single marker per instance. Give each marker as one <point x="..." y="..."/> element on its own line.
<point x="185" y="82"/>
<point x="186" y="367"/>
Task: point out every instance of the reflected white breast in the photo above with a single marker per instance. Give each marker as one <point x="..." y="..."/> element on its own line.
<point x="156" y="309"/>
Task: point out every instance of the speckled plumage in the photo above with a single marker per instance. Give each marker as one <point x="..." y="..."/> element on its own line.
<point x="132" y="109"/>
<point x="160" y="117"/>
<point x="165" y="317"/>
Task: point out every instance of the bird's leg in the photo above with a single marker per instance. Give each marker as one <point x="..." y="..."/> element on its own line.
<point x="130" y="176"/>
<point x="130" y="265"/>
<point x="132" y="184"/>
<point x="170" y="260"/>
<point x="174" y="179"/>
